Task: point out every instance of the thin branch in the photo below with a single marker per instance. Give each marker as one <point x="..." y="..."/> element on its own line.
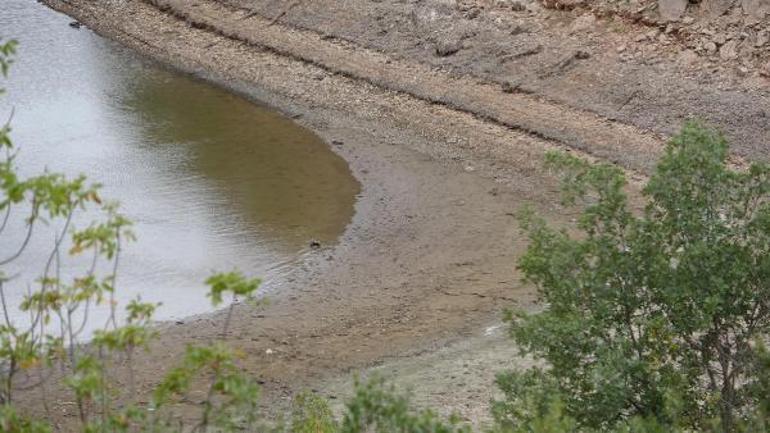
<point x="6" y="217"/>
<point x="54" y="255"/>
<point x="26" y="239"/>
<point x="114" y="280"/>
<point x="85" y="318"/>
<point x="5" y="305"/>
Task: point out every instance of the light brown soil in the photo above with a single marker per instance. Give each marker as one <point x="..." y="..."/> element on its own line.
<point x="445" y="155"/>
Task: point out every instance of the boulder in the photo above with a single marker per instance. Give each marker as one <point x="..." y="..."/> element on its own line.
<point x="756" y="8"/>
<point x="671" y="10"/>
<point x="447" y="46"/>
<point x="716" y="8"/>
<point x="729" y="50"/>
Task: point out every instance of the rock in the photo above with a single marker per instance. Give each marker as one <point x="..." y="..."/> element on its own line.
<point x="716" y="8"/>
<point x="729" y="51"/>
<point x="582" y="55"/>
<point x="563" y="4"/>
<point x="620" y="48"/>
<point x="762" y="38"/>
<point x="517" y="6"/>
<point x="447" y="47"/>
<point x="688" y="20"/>
<point x="338" y="142"/>
<point x="765" y="71"/>
<point x="671" y="10"/>
<point x="710" y="47"/>
<point x="583" y="23"/>
<point x="473" y="13"/>
<point x="756" y="8"/>
<point x="652" y="34"/>
<point x="509" y="87"/>
<point x="688" y="58"/>
<point x="75" y="24"/>
<point x="314" y="244"/>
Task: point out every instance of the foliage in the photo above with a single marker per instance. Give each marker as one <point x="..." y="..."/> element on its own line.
<point x="378" y="408"/>
<point x="652" y="314"/>
<point x="311" y="414"/>
<point x="234" y="283"/>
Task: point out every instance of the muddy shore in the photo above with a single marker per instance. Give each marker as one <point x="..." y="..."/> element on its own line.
<point x="416" y="285"/>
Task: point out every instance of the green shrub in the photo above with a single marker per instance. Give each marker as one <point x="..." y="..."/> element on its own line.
<point x="654" y="314"/>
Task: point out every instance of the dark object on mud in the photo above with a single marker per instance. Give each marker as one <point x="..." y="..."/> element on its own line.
<point x="314" y="244"/>
<point x="509" y="87"/>
<point x="75" y="24"/>
<point x="337" y="142"/>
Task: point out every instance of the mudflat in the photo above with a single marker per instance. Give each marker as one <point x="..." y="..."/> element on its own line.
<point x="447" y="148"/>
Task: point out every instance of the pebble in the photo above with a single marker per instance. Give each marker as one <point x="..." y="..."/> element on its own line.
<point x="652" y="34"/>
<point x="583" y="23"/>
<point x="729" y="51"/>
<point x="445" y="48"/>
<point x="710" y="47"/>
<point x="688" y="58"/>
<point x="762" y="39"/>
<point x="765" y="71"/>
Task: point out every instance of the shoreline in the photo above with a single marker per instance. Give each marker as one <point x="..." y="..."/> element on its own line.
<point x="403" y="280"/>
<point x="428" y="262"/>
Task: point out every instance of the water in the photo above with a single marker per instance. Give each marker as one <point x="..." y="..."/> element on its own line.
<point x="212" y="182"/>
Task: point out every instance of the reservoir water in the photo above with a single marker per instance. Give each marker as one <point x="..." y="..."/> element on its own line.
<point x="211" y="180"/>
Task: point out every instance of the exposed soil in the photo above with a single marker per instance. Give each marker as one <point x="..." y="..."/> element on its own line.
<point x="443" y="111"/>
<point x="590" y="57"/>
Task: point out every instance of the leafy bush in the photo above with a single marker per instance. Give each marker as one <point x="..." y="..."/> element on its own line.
<point x="655" y="314"/>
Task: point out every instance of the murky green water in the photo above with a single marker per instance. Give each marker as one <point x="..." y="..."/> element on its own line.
<point x="212" y="181"/>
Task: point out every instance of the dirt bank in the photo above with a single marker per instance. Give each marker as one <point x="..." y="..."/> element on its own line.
<point x="444" y="158"/>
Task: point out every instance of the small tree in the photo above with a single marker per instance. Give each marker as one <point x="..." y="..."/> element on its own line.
<point x="655" y="313"/>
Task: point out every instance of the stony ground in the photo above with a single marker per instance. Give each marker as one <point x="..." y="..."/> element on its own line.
<point x="620" y="60"/>
<point x="443" y="110"/>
